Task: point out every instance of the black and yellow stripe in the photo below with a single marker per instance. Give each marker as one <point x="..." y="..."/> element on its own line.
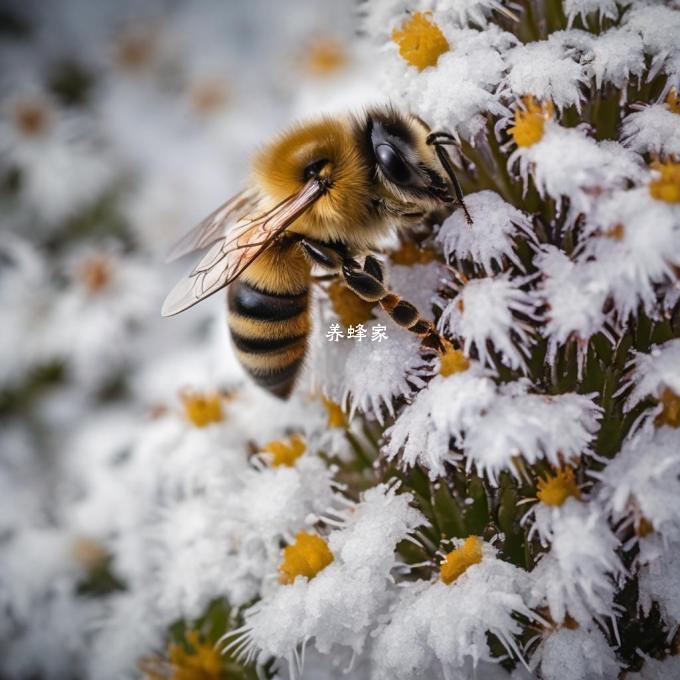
<point x="269" y="332"/>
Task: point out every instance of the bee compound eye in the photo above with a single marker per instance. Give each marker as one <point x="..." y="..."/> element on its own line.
<point x="392" y="163"/>
<point x="314" y="168"/>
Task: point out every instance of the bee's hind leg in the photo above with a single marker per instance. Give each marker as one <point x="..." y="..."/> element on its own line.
<point x="367" y="283"/>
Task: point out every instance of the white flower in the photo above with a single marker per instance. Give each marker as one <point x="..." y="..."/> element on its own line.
<point x="418" y="283"/>
<point x="653" y="129"/>
<point x="447" y="408"/>
<point x="652" y="373"/>
<point x="485" y="312"/>
<point x="477" y="67"/>
<point x="595" y="658"/>
<point x="642" y="479"/>
<point x="577" y="577"/>
<point x="630" y="256"/>
<point x="377" y="373"/>
<point x="64" y="166"/>
<point x="491" y="238"/>
<point x="658" y="582"/>
<point x="535" y="426"/>
<point x="278" y="501"/>
<point x="108" y="294"/>
<point x="615" y="56"/>
<point x="27" y="299"/>
<point x="436" y="626"/>
<point x="543" y="70"/>
<point x="658" y="26"/>
<point x="567" y="162"/>
<point x="338" y="606"/>
<point x="574" y="296"/>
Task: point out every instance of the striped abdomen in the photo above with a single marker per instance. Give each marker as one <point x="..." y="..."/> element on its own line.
<point x="269" y="332"/>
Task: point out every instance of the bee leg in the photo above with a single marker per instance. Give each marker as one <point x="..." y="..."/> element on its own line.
<point x="373" y="267"/>
<point x="371" y="288"/>
<point x="325" y="255"/>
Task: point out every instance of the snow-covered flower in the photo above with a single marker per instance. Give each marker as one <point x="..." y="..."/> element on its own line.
<point x="107" y="293"/>
<point x="543" y="70"/>
<point x="596" y="657"/>
<point x="658" y="583"/>
<point x="554" y="428"/>
<point x="654" y="129"/>
<point x="63" y="163"/>
<point x="447" y="408"/>
<point x="335" y="601"/>
<point x="442" y="625"/>
<point x="484" y="314"/>
<point x="577" y="577"/>
<point x="574" y="296"/>
<point x="656" y="374"/>
<point x="491" y="238"/>
<point x="642" y="481"/>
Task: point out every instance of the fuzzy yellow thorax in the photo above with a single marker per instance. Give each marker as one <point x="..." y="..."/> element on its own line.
<point x="285" y="452"/>
<point x="336" y="416"/>
<point x="351" y="309"/>
<point x="457" y="561"/>
<point x="453" y="361"/>
<point x="530" y="121"/>
<point x="670" y="409"/>
<point x="673" y="101"/>
<point x="202" y="409"/>
<point x="667" y="186"/>
<point x="554" y="489"/>
<point x="421" y="42"/>
<point x="306" y="557"/>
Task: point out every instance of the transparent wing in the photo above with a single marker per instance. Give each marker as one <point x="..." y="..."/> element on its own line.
<point x="215" y="226"/>
<point x="231" y="255"/>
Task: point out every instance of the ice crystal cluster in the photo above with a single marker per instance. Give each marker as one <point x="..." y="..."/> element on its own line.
<point x="510" y="508"/>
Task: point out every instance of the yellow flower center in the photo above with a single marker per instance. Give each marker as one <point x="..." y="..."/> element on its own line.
<point x="325" y="56"/>
<point x="95" y="273"/>
<point x="673" y="101"/>
<point x="336" y="416"/>
<point x="453" y="361"/>
<point x="670" y="409"/>
<point x="306" y="557"/>
<point x="32" y="116"/>
<point x="457" y="561"/>
<point x="135" y="48"/>
<point x="410" y="253"/>
<point x="202" y="409"/>
<point x="530" y="121"/>
<point x="420" y="41"/>
<point x="555" y="488"/>
<point x="285" y="452"/>
<point x="351" y="309"/>
<point x="667" y="186"/>
<point x="196" y="660"/>
<point x="88" y="553"/>
<point x="208" y="95"/>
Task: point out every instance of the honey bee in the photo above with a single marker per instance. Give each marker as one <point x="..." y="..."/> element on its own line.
<point x="323" y="193"/>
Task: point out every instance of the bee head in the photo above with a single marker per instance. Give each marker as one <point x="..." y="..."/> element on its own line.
<point x="405" y="166"/>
